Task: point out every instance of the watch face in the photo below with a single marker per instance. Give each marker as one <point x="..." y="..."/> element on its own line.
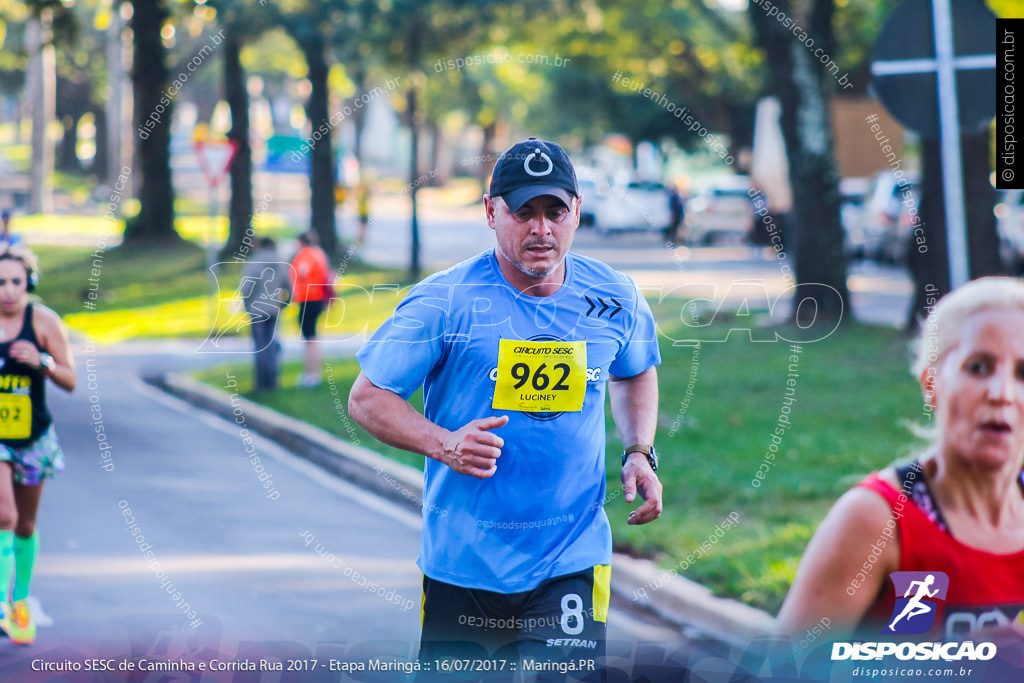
<point x="652" y="457"/>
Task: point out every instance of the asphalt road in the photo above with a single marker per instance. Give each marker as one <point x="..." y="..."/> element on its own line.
<point x="880" y="294"/>
<point x="289" y="572"/>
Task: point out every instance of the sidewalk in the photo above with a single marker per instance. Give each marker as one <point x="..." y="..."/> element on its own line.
<point x="680" y="601"/>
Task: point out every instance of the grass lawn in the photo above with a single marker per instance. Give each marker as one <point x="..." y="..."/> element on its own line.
<point x="160" y="292"/>
<point x="197" y="228"/>
<point x="127" y="279"/>
<point x="853" y="395"/>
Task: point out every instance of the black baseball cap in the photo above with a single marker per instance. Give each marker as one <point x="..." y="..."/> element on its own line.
<point x="532" y="168"/>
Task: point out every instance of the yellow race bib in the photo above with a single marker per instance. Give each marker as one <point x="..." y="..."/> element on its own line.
<point x="537" y="377"/>
<point x="15" y="416"/>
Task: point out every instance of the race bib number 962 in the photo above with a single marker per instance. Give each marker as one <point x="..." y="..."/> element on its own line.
<point x="541" y="376"/>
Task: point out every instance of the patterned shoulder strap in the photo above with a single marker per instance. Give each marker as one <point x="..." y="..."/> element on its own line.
<point x="914" y="485"/>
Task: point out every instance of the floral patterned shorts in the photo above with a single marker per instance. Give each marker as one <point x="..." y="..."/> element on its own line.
<point x="41" y="459"/>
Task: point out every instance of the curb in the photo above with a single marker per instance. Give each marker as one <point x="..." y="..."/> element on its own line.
<point x="680" y="601"/>
<point x="392" y="480"/>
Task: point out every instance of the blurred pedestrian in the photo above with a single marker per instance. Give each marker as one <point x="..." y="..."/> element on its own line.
<point x="266" y="289"/>
<point x="33" y="348"/>
<point x="6" y="236"/>
<point x="675" y="208"/>
<point x="363" y="209"/>
<point x="312" y="289"/>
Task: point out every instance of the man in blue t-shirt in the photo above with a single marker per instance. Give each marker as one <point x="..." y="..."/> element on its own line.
<point x="514" y="349"/>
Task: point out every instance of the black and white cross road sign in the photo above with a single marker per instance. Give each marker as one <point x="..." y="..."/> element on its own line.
<point x="933" y="68"/>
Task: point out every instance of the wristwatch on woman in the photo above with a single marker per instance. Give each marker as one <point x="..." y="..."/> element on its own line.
<point x="645" y="448"/>
<point x="46" y="362"/>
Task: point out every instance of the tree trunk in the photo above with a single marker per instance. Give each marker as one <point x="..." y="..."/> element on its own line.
<point x="42" y="79"/>
<point x="67" y="158"/>
<point x="741" y="128"/>
<point x="99" y="162"/>
<point x="240" y="217"/>
<point x="815" y="232"/>
<point x="205" y="107"/>
<point x="414" y="165"/>
<point x="72" y="103"/>
<point x="483" y="171"/>
<point x="117" y="146"/>
<point x="929" y="262"/>
<point x="24" y="111"/>
<point x="322" y="156"/>
<point x="413" y="45"/>
<point x="359" y="118"/>
<point x="153" y="110"/>
<point x="440" y="161"/>
<point x="979" y="198"/>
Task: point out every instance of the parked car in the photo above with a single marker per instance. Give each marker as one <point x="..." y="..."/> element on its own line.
<point x="639" y="205"/>
<point x="592" y="199"/>
<point x="886" y="222"/>
<point x="1010" y="225"/>
<point x="721" y="212"/>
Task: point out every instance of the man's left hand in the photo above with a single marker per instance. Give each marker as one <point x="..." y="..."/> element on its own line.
<point x="637" y="476"/>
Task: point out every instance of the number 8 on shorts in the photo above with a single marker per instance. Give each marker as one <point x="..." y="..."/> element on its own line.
<point x="572" y="614"/>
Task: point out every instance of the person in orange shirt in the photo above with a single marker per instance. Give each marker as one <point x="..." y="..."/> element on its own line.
<point x="312" y="287"/>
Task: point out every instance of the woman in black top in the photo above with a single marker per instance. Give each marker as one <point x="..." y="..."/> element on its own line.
<point x="33" y="347"/>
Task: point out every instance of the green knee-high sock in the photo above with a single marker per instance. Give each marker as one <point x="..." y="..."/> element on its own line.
<point x="6" y="563"/>
<point x="25" y="551"/>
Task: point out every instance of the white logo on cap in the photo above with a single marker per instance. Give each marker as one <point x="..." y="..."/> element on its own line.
<point x="542" y="155"/>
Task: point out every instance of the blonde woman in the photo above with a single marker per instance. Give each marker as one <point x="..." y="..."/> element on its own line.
<point x="957" y="510"/>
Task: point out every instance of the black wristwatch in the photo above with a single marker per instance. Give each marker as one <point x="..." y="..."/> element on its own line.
<point x="645" y="448"/>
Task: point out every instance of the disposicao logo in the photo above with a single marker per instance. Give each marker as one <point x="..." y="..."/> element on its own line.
<point x="914" y="612"/>
<point x="917" y="602"/>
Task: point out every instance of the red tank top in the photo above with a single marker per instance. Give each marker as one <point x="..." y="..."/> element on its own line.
<point x="311" y="279"/>
<point x="985" y="589"/>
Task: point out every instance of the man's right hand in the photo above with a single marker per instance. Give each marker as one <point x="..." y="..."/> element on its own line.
<point x="473" y="449"/>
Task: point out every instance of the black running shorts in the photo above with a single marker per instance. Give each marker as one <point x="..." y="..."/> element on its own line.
<point x="559" y="627"/>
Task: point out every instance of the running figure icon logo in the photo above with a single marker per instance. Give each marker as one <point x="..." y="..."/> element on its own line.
<point x="917" y="596"/>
